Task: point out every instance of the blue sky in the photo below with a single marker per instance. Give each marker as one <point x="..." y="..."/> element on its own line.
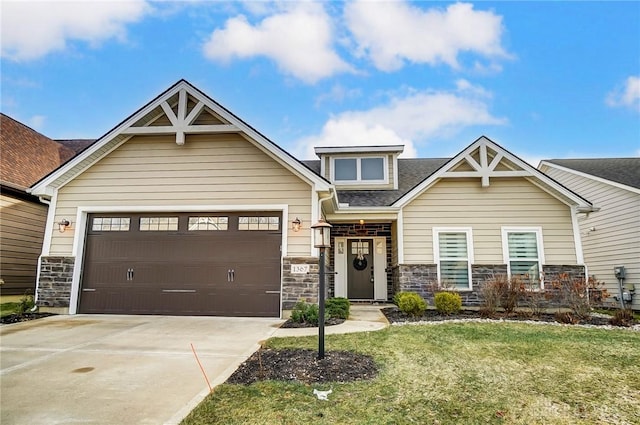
<point x="543" y="79"/>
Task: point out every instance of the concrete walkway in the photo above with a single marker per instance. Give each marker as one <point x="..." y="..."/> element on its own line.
<point x="362" y="318"/>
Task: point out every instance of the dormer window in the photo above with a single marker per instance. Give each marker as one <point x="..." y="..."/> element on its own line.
<point x="363" y="169"/>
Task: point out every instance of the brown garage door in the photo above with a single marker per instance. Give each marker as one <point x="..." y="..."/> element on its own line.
<point x="225" y="264"/>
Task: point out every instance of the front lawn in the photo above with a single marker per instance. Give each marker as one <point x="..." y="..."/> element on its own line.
<point x="465" y="373"/>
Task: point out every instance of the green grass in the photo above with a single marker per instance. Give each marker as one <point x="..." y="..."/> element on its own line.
<point x="9" y="308"/>
<point x="471" y="373"/>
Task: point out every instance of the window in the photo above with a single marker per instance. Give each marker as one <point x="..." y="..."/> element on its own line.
<point x="522" y="251"/>
<point x="158" y="224"/>
<point x="208" y="223"/>
<point x="370" y="169"/>
<point x="258" y="223"/>
<point x="453" y="253"/>
<point x="110" y="224"/>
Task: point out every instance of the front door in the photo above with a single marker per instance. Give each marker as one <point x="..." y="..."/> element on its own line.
<point x="360" y="277"/>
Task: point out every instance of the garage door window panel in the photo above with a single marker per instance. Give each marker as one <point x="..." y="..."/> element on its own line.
<point x="158" y="224"/>
<point x="111" y="224"/>
<point x="208" y="223"/>
<point x="259" y="223"/>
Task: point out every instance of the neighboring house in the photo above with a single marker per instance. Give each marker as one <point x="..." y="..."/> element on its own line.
<point x="610" y="236"/>
<point x="184" y="208"/>
<point x="25" y="157"/>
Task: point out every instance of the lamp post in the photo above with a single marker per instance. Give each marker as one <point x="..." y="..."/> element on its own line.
<point x="321" y="240"/>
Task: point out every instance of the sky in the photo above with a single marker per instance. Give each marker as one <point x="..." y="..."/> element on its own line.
<point x="543" y="79"/>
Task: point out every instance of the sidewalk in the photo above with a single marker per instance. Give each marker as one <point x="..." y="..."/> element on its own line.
<point x="362" y="318"/>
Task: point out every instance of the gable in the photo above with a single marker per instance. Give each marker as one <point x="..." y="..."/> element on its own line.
<point x="486" y="161"/>
<point x="180" y="111"/>
<point x="619" y="172"/>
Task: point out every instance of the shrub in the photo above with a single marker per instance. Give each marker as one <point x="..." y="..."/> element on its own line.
<point x="306" y="313"/>
<point x="337" y="307"/>
<point x="567" y="318"/>
<point x="622" y="318"/>
<point x="573" y="293"/>
<point x="447" y="302"/>
<point x="26" y="303"/>
<point x="410" y="303"/>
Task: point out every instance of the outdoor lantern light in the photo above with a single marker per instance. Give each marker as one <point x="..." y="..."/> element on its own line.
<point x="321" y="234"/>
<point x="322" y="240"/>
<point x="296" y="225"/>
<point x="62" y="226"/>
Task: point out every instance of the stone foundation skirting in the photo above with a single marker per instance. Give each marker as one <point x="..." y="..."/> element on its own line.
<point x="423" y="278"/>
<point x="299" y="287"/>
<point x="54" y="285"/>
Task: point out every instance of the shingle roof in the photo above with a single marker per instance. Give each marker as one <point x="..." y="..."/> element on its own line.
<point x="26" y="155"/>
<point x="410" y="173"/>
<point x="78" y="145"/>
<point x="620" y="170"/>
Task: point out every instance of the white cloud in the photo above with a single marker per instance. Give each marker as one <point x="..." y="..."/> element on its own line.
<point x="37" y="122"/>
<point x="31" y="30"/>
<point x="408" y="119"/>
<point x="299" y="39"/>
<point x="408" y="33"/>
<point x="338" y="94"/>
<point x="627" y="95"/>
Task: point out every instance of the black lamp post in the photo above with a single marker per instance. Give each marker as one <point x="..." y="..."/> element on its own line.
<point x="321" y="240"/>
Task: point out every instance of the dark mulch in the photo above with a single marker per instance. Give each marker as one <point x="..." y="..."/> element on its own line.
<point x="394" y="315"/>
<point x="303" y="366"/>
<point x="329" y="322"/>
<point x="15" y="318"/>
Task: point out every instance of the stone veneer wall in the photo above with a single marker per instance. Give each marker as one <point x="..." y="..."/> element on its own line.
<point x="421" y="278"/>
<point x="299" y="287"/>
<point x="54" y="286"/>
<point x="355" y="230"/>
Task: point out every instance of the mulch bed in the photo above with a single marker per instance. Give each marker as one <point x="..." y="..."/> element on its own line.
<point x="329" y="322"/>
<point x="304" y="366"/>
<point x="394" y="315"/>
<point x="15" y="318"/>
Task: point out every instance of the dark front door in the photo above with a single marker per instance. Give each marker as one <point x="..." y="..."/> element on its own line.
<point x="225" y="264"/>
<point x="360" y="280"/>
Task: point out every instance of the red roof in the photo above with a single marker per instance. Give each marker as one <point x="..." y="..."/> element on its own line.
<point x="26" y="156"/>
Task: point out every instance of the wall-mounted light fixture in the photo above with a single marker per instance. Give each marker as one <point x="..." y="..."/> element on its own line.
<point x="62" y="226"/>
<point x="296" y="225"/>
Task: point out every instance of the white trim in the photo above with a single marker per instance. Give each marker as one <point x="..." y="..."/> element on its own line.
<point x="81" y="226"/>
<point x="505" y="230"/>
<point x="468" y="231"/>
<point x="49" y="226"/>
<point x="359" y="181"/>
<point x="395" y="172"/>
<point x="577" y="238"/>
<point x="400" y="236"/>
<point x="589" y="176"/>
<point x="358" y="149"/>
<point x="340" y="267"/>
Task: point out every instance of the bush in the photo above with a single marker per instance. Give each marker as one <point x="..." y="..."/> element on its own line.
<point x="337" y="307"/>
<point x="26" y="304"/>
<point x="573" y="293"/>
<point x="566" y="318"/>
<point x="306" y="313"/>
<point x="410" y="303"/>
<point x="622" y="318"/>
<point x="447" y="302"/>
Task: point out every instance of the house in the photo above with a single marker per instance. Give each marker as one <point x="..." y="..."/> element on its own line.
<point x="610" y="236"/>
<point x="185" y="209"/>
<point x="26" y="157"/>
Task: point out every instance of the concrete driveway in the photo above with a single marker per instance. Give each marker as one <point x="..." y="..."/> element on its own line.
<point x="103" y="369"/>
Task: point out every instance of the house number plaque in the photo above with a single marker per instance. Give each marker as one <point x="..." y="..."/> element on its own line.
<point x="299" y="268"/>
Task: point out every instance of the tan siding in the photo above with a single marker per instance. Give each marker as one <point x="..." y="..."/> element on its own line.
<point x="616" y="240"/>
<point x="207" y="170"/>
<point x="21" y="231"/>
<point x="506" y="202"/>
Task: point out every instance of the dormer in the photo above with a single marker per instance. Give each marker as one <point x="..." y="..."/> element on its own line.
<point x="360" y="167"/>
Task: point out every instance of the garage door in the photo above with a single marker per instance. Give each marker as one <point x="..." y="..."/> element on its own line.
<point x="223" y="264"/>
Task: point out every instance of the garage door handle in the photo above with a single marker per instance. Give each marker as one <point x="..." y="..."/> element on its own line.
<point x="233" y="275"/>
<point x="271" y="292"/>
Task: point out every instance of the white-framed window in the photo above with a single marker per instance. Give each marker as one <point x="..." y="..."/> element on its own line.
<point x="453" y="253"/>
<point x="523" y="252"/>
<point x="360" y="170"/>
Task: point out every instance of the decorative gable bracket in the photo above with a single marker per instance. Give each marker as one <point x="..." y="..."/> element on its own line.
<point x="180" y="115"/>
<point x="485" y="163"/>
